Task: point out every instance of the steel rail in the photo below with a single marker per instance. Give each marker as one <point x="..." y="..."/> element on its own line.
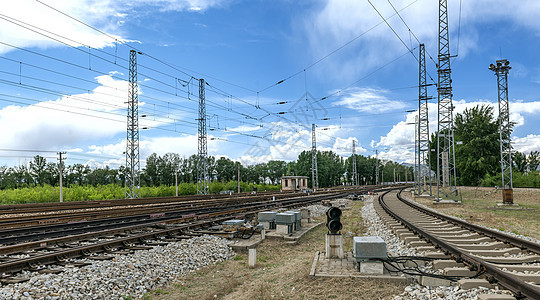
<point x="117" y="211"/>
<point x="518" y="242"/>
<point x="16" y="265"/>
<point x="508" y="281"/>
<point x="54" y="230"/>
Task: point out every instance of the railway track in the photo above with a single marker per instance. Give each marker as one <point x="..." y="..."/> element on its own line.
<point x="511" y="262"/>
<point x="33" y="248"/>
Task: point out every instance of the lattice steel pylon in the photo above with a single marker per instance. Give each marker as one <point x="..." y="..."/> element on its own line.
<point x="202" y="164"/>
<point x="422" y="135"/>
<point x="501" y="68"/>
<point x="354" y="174"/>
<point x="376" y="167"/>
<point x="446" y="157"/>
<point x="132" y="188"/>
<point x="314" y="170"/>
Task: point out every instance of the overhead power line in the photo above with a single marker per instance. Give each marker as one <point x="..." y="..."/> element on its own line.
<point x="334" y="51"/>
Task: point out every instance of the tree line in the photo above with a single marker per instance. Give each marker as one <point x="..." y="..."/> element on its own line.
<point x="477" y="162"/>
<point x="161" y="170"/>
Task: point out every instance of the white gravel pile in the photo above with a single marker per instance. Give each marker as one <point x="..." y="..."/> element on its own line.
<point x="317" y="210"/>
<point x="417" y="291"/>
<point x="124" y="276"/>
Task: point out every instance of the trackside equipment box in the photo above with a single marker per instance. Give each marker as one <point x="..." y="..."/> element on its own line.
<point x="267" y="219"/>
<point x="368" y="247"/>
<point x="285" y="218"/>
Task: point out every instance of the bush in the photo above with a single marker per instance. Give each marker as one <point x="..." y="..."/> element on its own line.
<point x="49" y="193"/>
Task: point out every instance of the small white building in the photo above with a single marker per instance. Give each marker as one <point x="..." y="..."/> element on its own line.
<point x="293" y="183"/>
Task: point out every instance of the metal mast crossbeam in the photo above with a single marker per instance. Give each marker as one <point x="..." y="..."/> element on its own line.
<point x="422" y="136"/>
<point x="314" y="170"/>
<point x="133" y="186"/>
<point x="446" y="159"/>
<point x="501" y="69"/>
<point x="354" y="174"/>
<point x="202" y="164"/>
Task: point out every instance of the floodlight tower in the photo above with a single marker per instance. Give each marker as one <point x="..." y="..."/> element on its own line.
<point x="314" y="170"/>
<point x="355" y="179"/>
<point x="505" y="127"/>
<point x="202" y="165"/>
<point x="423" y="160"/>
<point x="132" y="188"/>
<point x="446" y="158"/>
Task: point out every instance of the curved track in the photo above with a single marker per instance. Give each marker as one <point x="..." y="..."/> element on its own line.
<point x="507" y="260"/>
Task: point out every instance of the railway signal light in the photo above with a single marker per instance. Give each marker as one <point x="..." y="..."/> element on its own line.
<point x="333" y="222"/>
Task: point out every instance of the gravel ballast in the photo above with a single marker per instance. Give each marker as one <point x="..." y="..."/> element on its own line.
<point x="124" y="276"/>
<point x="395" y="247"/>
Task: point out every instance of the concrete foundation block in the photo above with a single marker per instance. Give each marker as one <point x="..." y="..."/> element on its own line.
<point x="252" y="257"/>
<point x="334" y="246"/>
<point x="282" y="229"/>
<point x="432" y="281"/>
<point x="468" y="284"/>
<point x="374" y="268"/>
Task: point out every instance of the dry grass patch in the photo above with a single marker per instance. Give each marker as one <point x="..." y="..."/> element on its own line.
<point x="477" y="202"/>
<point x="282" y="272"/>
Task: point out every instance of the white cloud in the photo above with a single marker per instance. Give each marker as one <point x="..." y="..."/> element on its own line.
<point x="65" y="121"/>
<point x="337" y="22"/>
<point x="368" y="100"/>
<point x="527" y="144"/>
<point x="401" y="136"/>
<point x="106" y="15"/>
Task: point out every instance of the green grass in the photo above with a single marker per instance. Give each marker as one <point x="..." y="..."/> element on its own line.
<point x="49" y="193"/>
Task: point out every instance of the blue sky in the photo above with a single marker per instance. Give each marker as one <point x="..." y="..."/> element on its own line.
<point x="66" y="88"/>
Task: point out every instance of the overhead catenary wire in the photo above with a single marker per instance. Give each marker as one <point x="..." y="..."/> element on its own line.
<point x="171" y="86"/>
<point x="333" y="52"/>
<point x="116" y="39"/>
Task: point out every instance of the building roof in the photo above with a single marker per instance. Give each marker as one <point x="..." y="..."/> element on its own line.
<point x="294" y="177"/>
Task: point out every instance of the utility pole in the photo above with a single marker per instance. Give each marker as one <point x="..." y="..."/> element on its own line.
<point x="423" y="154"/>
<point x="238" y="178"/>
<point x="376" y="167"/>
<point x="355" y="180"/>
<point x="60" y="171"/>
<point x="446" y="157"/>
<point x="202" y="166"/>
<point x="314" y="170"/>
<point x="505" y="128"/>
<point x="176" y="179"/>
<point x="133" y="185"/>
<point x="394" y="175"/>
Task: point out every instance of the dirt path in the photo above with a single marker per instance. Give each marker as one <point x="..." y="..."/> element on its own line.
<point x="282" y="272"/>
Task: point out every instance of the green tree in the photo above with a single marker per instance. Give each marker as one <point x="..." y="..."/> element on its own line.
<point x="519" y="162"/>
<point x="38" y="169"/>
<point x="479" y="153"/>
<point x="533" y="160"/>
